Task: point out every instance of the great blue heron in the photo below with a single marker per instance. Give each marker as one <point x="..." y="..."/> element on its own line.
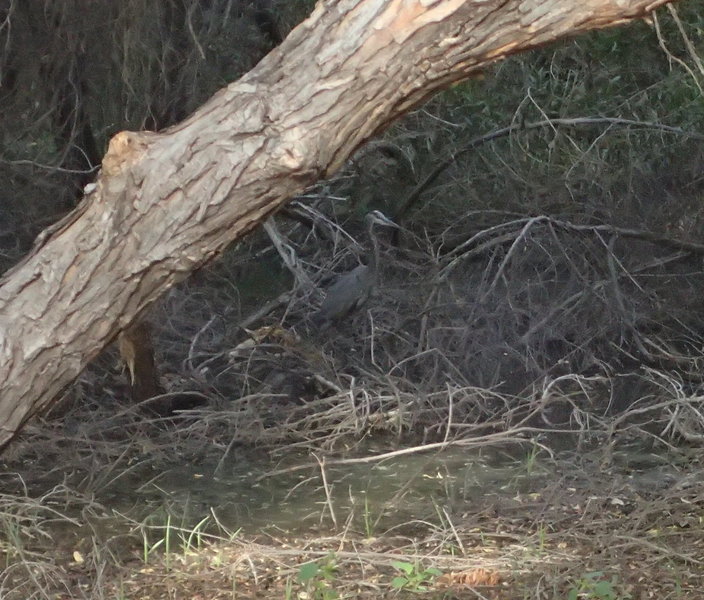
<point x="352" y="289"/>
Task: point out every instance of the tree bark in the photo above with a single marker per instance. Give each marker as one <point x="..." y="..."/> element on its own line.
<point x="164" y="204"/>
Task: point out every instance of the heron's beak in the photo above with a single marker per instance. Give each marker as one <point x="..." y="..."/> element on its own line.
<point x="386" y="221"/>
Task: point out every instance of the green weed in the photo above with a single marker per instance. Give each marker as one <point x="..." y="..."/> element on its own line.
<point x="593" y="586"/>
<point x="413" y="578"/>
<point x="318" y="579"/>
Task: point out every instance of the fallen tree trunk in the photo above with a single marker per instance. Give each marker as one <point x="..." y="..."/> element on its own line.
<point x="166" y="203"/>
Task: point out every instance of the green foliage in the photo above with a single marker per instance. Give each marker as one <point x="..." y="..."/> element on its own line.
<point x="618" y="72"/>
<point x="318" y="578"/>
<point x="593" y="586"/>
<point x="159" y="533"/>
<point x="149" y="546"/>
<point x="11" y="537"/>
<point x="369" y="521"/>
<point x="413" y="577"/>
<point x="531" y="459"/>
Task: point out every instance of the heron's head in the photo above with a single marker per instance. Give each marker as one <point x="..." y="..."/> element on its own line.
<point x="376" y="217"/>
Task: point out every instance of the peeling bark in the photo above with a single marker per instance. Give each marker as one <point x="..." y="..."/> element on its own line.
<point x="137" y="351"/>
<point x="164" y="204"/>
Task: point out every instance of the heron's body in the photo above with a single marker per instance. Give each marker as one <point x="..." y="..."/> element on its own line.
<point x="351" y="290"/>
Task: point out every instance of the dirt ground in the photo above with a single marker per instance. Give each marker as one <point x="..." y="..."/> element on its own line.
<point x="589" y="525"/>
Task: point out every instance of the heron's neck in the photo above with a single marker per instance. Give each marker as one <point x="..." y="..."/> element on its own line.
<point x="373" y="254"/>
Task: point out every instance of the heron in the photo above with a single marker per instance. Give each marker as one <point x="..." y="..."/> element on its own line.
<point x="351" y="290"/>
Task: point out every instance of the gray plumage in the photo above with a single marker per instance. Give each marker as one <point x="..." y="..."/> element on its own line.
<point x="351" y="290"/>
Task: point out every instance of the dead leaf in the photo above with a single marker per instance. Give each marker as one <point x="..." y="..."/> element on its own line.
<point x="471" y="577"/>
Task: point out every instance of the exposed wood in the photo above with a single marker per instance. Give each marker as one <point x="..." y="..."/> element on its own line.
<point x="137" y="352"/>
<point x="166" y="203"/>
